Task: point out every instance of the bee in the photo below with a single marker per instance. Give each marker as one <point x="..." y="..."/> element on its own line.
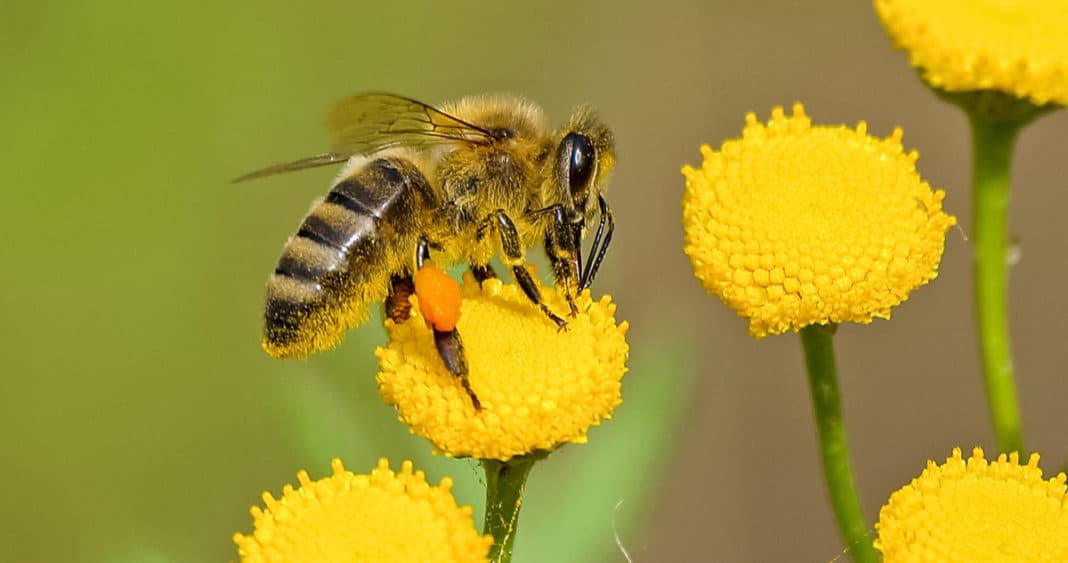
<point x="480" y="177"/>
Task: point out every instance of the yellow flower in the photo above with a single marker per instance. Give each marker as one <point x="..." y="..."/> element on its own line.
<point x="1016" y="47"/>
<point x="793" y="225"/>
<point x="539" y="387"/>
<point x="974" y="510"/>
<point x="381" y="517"/>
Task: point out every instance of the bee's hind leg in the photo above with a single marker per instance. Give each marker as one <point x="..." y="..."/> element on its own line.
<point x="451" y="350"/>
<point x="450" y="346"/>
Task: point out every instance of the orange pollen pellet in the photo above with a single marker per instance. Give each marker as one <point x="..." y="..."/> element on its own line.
<point x="439" y="297"/>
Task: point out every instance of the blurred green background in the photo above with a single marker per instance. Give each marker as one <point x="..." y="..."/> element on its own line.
<point x="140" y="418"/>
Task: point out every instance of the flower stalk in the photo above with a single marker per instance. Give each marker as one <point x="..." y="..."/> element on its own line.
<point x="996" y="120"/>
<point x="818" y="344"/>
<point x="505" y="481"/>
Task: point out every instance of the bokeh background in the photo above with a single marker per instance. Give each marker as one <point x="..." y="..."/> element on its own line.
<point x="140" y="419"/>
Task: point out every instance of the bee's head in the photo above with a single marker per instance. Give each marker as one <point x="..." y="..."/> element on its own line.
<point x="585" y="155"/>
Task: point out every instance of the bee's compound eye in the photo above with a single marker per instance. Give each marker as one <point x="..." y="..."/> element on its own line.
<point x="581" y="162"/>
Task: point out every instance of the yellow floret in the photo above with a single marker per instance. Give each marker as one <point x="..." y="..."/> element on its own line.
<point x="793" y="225"/>
<point x="1019" y="47"/>
<point x="381" y="517"/>
<point x="539" y="386"/>
<point x="973" y="510"/>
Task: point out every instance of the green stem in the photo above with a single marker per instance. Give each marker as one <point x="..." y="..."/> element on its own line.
<point x="505" y="481"/>
<point x="992" y="144"/>
<point x="996" y="119"/>
<point x="818" y="344"/>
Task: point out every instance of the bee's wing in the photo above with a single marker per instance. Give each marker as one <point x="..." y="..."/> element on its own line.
<point x="368" y="123"/>
<point x="309" y="162"/>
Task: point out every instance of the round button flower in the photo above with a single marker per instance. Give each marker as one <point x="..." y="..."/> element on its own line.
<point x="793" y="225"/>
<point x="538" y="386"/>
<point x="1019" y="47"/>
<point x="975" y="510"/>
<point x="381" y="517"/>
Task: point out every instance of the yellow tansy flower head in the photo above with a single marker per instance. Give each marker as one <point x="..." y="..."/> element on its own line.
<point x="539" y="386"/>
<point x="1019" y="47"/>
<point x="975" y="510"/>
<point x="793" y="225"/>
<point x="384" y="516"/>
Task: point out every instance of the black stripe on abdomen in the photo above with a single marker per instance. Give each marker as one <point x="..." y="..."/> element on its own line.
<point x="290" y="303"/>
<point x="285" y="317"/>
<point x="349" y="198"/>
<point x="322" y="232"/>
<point x="372" y="191"/>
<point x="301" y="269"/>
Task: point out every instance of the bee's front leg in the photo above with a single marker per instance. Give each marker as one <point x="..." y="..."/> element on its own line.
<point x="601" y="240"/>
<point x="563" y="246"/>
<point x="514" y="257"/>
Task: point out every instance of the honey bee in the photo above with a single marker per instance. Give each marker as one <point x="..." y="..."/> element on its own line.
<point x="480" y="177"/>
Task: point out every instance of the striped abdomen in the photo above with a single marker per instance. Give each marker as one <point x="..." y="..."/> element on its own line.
<point x="341" y="258"/>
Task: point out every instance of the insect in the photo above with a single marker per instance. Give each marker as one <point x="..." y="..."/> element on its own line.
<point x="480" y="177"/>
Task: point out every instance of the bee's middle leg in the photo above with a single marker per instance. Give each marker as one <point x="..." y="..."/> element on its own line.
<point x="514" y="257"/>
<point x="483" y="272"/>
